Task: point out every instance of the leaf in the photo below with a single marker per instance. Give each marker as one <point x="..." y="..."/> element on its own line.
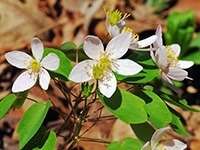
<point x="177" y="101"/>
<point x="19" y="101"/>
<point x="176" y="124"/>
<point x="31" y="122"/>
<point x="5" y="104"/>
<point x="42" y="140"/>
<point x="70" y="50"/>
<point x="65" y="65"/>
<point x="125" y="106"/>
<point x="50" y="143"/>
<point x="193" y="57"/>
<point x="180" y="29"/>
<point x="149" y="72"/>
<point x="37" y="140"/>
<point x="143" y="131"/>
<point x="159" y="114"/>
<point x="127" y="144"/>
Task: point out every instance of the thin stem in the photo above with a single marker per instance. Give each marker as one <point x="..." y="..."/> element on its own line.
<point x="105" y="38"/>
<point x="93" y="140"/>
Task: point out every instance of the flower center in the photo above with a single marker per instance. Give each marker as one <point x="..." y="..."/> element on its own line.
<point x="161" y="147"/>
<point x="105" y="62"/>
<point x="134" y="36"/>
<point x="98" y="71"/>
<point x="34" y="65"/>
<point x="171" y="57"/>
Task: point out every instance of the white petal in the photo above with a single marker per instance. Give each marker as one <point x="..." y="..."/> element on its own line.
<point x="146" y="146"/>
<point x="107" y="85"/>
<point x="185" y="64"/>
<point x="125" y="67"/>
<point x="153" y="56"/>
<point x="174" y="145"/>
<point x="114" y="31"/>
<point x="176" y="48"/>
<point x="148" y="41"/>
<point x="158" y="43"/>
<point x="157" y="136"/>
<point x="37" y="48"/>
<point x="92" y="46"/>
<point x="119" y="45"/>
<point x="44" y="79"/>
<point x="79" y="72"/>
<point x="169" y="82"/>
<point x="18" y="59"/>
<point x="23" y="82"/>
<point x="51" y="62"/>
<point x="108" y="23"/>
<point x="176" y="74"/>
<point x="161" y="58"/>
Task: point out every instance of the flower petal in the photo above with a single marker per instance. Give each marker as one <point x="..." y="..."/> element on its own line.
<point x="146" y="146"/>
<point x="174" y="145"/>
<point x="157" y="136"/>
<point x="18" y="59"/>
<point x="169" y="82"/>
<point x="114" y="31"/>
<point x="148" y="41"/>
<point x="176" y="48"/>
<point x="185" y="64"/>
<point x="119" y="45"/>
<point x="82" y="72"/>
<point x="107" y="85"/>
<point x="24" y="82"/>
<point x="176" y="74"/>
<point x="44" y="79"/>
<point x="153" y="56"/>
<point x="37" y="48"/>
<point x="126" y="67"/>
<point x="51" y="62"/>
<point x="92" y="46"/>
<point x="161" y="58"/>
<point x="159" y="42"/>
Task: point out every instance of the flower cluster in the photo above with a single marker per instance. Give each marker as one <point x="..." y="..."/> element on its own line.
<point x="34" y="66"/>
<point x="104" y="62"/>
<point x="166" y="58"/>
<point x="167" y="145"/>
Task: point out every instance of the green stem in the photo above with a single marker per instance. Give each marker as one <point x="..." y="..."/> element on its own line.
<point x="105" y="38"/>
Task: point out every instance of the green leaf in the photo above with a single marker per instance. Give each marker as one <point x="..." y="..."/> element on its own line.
<point x="177" y="101"/>
<point x="65" y="65"/>
<point x="42" y="140"/>
<point x="176" y="124"/>
<point x="37" y="140"/>
<point x="127" y="144"/>
<point x="50" y="142"/>
<point x="5" y="104"/>
<point x="149" y="72"/>
<point x="159" y="114"/>
<point x="193" y="57"/>
<point x="31" y="122"/>
<point x="180" y="29"/>
<point x="19" y="101"/>
<point x="125" y="106"/>
<point x="143" y="131"/>
<point x="70" y="50"/>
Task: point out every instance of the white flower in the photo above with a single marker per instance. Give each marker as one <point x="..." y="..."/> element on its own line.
<point x="116" y="25"/>
<point x="34" y="66"/>
<point x="167" y="145"/>
<point x="104" y="61"/>
<point x="166" y="58"/>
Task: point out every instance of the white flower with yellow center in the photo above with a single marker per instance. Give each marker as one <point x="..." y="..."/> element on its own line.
<point x="104" y="61"/>
<point x="167" y="145"/>
<point x="116" y="25"/>
<point x="166" y="58"/>
<point x="34" y="66"/>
